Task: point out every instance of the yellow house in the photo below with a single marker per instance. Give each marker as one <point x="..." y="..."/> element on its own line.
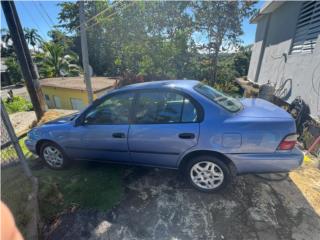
<point x="70" y="92"/>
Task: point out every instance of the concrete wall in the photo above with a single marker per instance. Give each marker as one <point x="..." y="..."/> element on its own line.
<point x="299" y="72"/>
<point x="257" y="48"/>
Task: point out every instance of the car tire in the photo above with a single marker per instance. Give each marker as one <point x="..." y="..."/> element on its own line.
<point x="53" y="156"/>
<point x="208" y="173"/>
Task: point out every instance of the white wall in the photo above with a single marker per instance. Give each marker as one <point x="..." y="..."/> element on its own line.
<point x="302" y="68"/>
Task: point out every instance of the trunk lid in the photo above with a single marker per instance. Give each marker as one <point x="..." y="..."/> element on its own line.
<point x="259" y="108"/>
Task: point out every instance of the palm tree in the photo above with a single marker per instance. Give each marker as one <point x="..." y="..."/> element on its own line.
<point x="32" y="37"/>
<point x="5" y="36"/>
<point x="6" y="44"/>
<point x="53" y="62"/>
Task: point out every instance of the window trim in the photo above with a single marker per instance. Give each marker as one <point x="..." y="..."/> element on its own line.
<point x="197" y="105"/>
<point x="200" y="111"/>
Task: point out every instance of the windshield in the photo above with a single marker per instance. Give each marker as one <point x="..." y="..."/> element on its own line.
<point x="229" y="103"/>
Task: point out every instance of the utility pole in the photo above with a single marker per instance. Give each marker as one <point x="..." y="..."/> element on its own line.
<point x="23" y="54"/>
<point x="84" y="50"/>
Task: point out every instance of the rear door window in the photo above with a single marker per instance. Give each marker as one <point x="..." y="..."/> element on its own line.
<point x="158" y="107"/>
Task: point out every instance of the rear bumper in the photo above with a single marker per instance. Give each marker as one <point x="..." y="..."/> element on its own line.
<point x="31" y="145"/>
<point x="267" y="162"/>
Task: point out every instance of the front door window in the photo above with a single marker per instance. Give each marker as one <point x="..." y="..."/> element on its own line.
<point x="113" y="110"/>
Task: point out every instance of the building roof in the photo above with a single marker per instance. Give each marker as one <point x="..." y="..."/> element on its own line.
<point x="268" y="7"/>
<point x="77" y="83"/>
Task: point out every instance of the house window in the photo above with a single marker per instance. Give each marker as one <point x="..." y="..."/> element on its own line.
<point x="76" y="103"/>
<point x="47" y="97"/>
<point x="307" y="29"/>
<point x="48" y="101"/>
<point x="57" y="101"/>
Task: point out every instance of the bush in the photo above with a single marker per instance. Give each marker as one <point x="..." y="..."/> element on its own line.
<point x="18" y="104"/>
<point x="13" y="69"/>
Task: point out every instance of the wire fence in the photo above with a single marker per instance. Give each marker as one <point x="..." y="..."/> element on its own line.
<point x="9" y="155"/>
<point x="11" y="152"/>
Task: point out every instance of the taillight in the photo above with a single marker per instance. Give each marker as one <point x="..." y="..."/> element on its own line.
<point x="288" y="142"/>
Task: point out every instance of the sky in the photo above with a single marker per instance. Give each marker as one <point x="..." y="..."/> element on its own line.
<point x="42" y="15"/>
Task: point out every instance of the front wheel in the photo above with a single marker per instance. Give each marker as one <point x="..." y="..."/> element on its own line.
<point x="53" y="156"/>
<point x="208" y="173"/>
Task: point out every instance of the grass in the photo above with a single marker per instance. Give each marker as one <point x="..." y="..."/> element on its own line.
<point x="87" y="186"/>
<point x="19" y="104"/>
<point x="9" y="153"/>
<point x="15" y="188"/>
<point x="84" y="185"/>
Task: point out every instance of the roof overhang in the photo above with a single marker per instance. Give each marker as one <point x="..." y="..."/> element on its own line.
<point x="268" y="7"/>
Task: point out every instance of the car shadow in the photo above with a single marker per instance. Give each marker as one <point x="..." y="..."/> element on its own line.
<point x="159" y="204"/>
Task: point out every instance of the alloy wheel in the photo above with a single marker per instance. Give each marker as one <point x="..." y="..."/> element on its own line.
<point x="53" y="156"/>
<point x="206" y="175"/>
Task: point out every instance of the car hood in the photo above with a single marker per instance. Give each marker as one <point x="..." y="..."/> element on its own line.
<point x="63" y="120"/>
<point x="259" y="108"/>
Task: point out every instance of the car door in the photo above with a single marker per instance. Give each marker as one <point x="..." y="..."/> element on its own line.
<point x="165" y="125"/>
<point x="104" y="131"/>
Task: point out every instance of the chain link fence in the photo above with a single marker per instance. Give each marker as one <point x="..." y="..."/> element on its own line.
<point x="9" y="155"/>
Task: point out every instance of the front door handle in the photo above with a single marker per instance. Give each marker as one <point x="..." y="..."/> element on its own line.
<point x="118" y="135"/>
<point x="186" y="135"/>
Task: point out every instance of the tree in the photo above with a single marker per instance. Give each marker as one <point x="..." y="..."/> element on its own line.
<point x="53" y="62"/>
<point x="6" y="45"/>
<point x="60" y="37"/>
<point x="13" y="69"/>
<point x="220" y="23"/>
<point x="32" y="37"/>
<point x="155" y="39"/>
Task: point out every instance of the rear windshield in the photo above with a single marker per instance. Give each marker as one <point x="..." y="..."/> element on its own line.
<point x="229" y="103"/>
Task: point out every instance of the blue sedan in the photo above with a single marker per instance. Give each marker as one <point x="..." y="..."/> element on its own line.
<point x="180" y="124"/>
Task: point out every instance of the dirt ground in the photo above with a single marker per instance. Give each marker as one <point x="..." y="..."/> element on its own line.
<point x="158" y="204"/>
<point x="21" y="121"/>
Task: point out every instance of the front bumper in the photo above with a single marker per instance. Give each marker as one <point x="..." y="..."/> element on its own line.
<point x="31" y="145"/>
<point x="267" y="162"/>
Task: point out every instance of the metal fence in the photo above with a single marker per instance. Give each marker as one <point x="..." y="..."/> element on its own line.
<point x="11" y="151"/>
<point x="9" y="155"/>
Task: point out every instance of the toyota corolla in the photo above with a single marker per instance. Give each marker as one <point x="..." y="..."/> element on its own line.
<point x="180" y="124"/>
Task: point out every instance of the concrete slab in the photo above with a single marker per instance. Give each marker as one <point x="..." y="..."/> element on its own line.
<point x="158" y="204"/>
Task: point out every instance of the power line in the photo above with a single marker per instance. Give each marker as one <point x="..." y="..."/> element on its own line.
<point x="45" y="11"/>
<point x="33" y="20"/>
<point x="98" y="14"/>
<point x="111" y="15"/>
<point x="42" y="16"/>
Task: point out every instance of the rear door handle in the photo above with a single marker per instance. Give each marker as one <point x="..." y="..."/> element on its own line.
<point x="118" y="135"/>
<point x="186" y="135"/>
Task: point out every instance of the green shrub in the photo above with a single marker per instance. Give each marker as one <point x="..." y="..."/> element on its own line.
<point x="19" y="104"/>
<point x="13" y="69"/>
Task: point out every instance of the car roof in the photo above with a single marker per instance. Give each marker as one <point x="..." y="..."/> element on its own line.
<point x="179" y="84"/>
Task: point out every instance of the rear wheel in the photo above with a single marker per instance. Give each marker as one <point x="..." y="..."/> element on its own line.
<point x="53" y="156"/>
<point x="208" y="173"/>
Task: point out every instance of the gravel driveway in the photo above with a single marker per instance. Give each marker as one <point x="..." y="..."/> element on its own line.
<point x="158" y="204"/>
